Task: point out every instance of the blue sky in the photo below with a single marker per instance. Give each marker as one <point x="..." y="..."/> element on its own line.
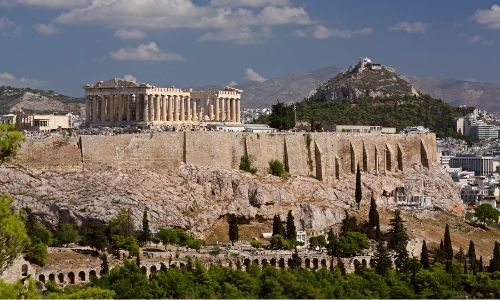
<point x="63" y="44"/>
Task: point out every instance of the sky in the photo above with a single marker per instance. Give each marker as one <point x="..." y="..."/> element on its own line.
<point x="64" y="44"/>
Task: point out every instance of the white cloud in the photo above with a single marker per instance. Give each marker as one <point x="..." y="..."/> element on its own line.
<point x="165" y="14"/>
<point x="251" y="75"/>
<point x="46" y="29"/>
<point x="408" y="27"/>
<point x="132" y="34"/>
<point x="240" y="36"/>
<point x="249" y="3"/>
<point x="145" y="52"/>
<point x="477" y="39"/>
<point x="130" y="77"/>
<point x="52" y="4"/>
<point x="489" y="17"/>
<point x="323" y="32"/>
<point x="10" y="80"/>
<point x="232" y="83"/>
<point x="9" y="28"/>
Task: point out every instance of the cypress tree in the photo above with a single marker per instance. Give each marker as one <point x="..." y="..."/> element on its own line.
<point x="349" y="223"/>
<point x="448" y="248"/>
<point x="332" y="243"/>
<point x="358" y="193"/>
<point x="460" y="256"/>
<point x="471" y="254"/>
<point x="233" y="229"/>
<point x="381" y="261"/>
<point x="104" y="264"/>
<point x="296" y="260"/>
<point x="291" y="231"/>
<point x="495" y="260"/>
<point x="278" y="226"/>
<point x="424" y="256"/>
<point x="439" y="254"/>
<point x="480" y="266"/>
<point x="398" y="240"/>
<point x="146" y="233"/>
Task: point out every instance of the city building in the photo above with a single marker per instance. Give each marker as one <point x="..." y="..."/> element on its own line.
<point x="8" y="119"/>
<point x="363" y="129"/>
<point x="118" y="102"/>
<point x="481" y="131"/>
<point x="480" y="165"/>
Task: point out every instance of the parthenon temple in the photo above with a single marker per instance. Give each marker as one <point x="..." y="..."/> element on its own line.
<point x="118" y="102"/>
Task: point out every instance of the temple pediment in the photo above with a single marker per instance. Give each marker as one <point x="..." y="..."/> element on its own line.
<point x="117" y="83"/>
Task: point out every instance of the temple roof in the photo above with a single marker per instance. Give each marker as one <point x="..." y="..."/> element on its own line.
<point x="117" y="82"/>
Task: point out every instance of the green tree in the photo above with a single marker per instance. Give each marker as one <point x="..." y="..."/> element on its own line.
<point x="448" y="248"/>
<point x="291" y="231"/>
<point x="10" y="141"/>
<point x="398" y="240"/>
<point x="126" y="243"/>
<point x="104" y="264"/>
<point x="246" y="164"/>
<point x="36" y="253"/>
<point x="332" y="245"/>
<point x="95" y="234"/>
<point x="424" y="256"/>
<point x="233" y="229"/>
<point x="277" y="168"/>
<point x="122" y="224"/>
<point x="358" y="193"/>
<point x="381" y="261"/>
<point x="13" y="237"/>
<point x="67" y="234"/>
<point x="440" y="254"/>
<point x="495" y="260"/>
<point x="374" y="219"/>
<point x="168" y="236"/>
<point x="485" y="212"/>
<point x="146" y="232"/>
<point x="282" y="116"/>
<point x="278" y="227"/>
<point x="352" y="242"/>
<point x="127" y="281"/>
<point x="36" y="231"/>
<point x="19" y="290"/>
<point x="317" y="241"/>
<point x="278" y="242"/>
<point x="349" y="223"/>
<point x="471" y="255"/>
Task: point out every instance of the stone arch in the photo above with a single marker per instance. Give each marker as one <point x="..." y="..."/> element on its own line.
<point x="353" y="158"/>
<point x="81" y="275"/>
<point x="41" y="278"/>
<point x="264" y="262"/>
<point x="363" y="263"/>
<point x="71" y="277"/>
<point x="163" y="267"/>
<point x="256" y="261"/>
<point x="144" y="270"/>
<point x="337" y="168"/>
<point x="247" y="263"/>
<point x="24" y="270"/>
<point x="272" y="262"/>
<point x="388" y="158"/>
<point x="365" y="158"/>
<point x="315" y="263"/>
<point x="52" y="277"/>
<point x="282" y="263"/>
<point x="182" y="265"/>
<point x="153" y="270"/>
<point x="400" y="158"/>
<point x="289" y="262"/>
<point x="323" y="263"/>
<point x="60" y="278"/>
<point x="307" y="262"/>
<point x="92" y="273"/>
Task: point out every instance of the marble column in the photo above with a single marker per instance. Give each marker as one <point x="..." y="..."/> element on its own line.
<point x="157" y="107"/>
<point x="151" y="108"/>
<point x="195" y="117"/>
<point x="232" y="110"/>
<point x="170" y="109"/>
<point x="238" y="110"/>
<point x="223" y="110"/>
<point x="189" y="117"/>
<point x="128" y="102"/>
<point x="217" y="109"/>
<point x="176" y="108"/>
<point x="103" y="109"/>
<point x="183" y="110"/>
<point x="146" y="109"/>
<point x="137" y="104"/>
<point x="163" y="108"/>
<point x="87" y="109"/>
<point x="211" y="112"/>
<point x="94" y="108"/>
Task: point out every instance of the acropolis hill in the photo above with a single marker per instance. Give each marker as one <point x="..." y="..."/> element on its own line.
<point x="191" y="179"/>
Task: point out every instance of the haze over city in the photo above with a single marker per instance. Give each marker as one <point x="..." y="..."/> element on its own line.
<point x="61" y="45"/>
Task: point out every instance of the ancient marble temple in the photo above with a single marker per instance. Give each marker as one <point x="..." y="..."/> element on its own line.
<point x="119" y="102"/>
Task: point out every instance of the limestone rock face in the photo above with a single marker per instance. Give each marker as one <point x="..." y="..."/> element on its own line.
<point x="195" y="197"/>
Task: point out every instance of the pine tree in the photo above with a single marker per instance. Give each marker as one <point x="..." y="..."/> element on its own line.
<point x="448" y="248"/>
<point x="349" y="223"/>
<point x="278" y="226"/>
<point x="398" y="240"/>
<point x="296" y="260"/>
<point x="495" y="260"/>
<point x="471" y="255"/>
<point x="424" y="256"/>
<point x="233" y="229"/>
<point x="381" y="261"/>
<point x="104" y="264"/>
<point x="291" y="231"/>
<point x="480" y="266"/>
<point x="146" y="233"/>
<point x="358" y="193"/>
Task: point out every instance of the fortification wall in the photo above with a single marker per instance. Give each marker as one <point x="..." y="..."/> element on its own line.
<point x="323" y="155"/>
